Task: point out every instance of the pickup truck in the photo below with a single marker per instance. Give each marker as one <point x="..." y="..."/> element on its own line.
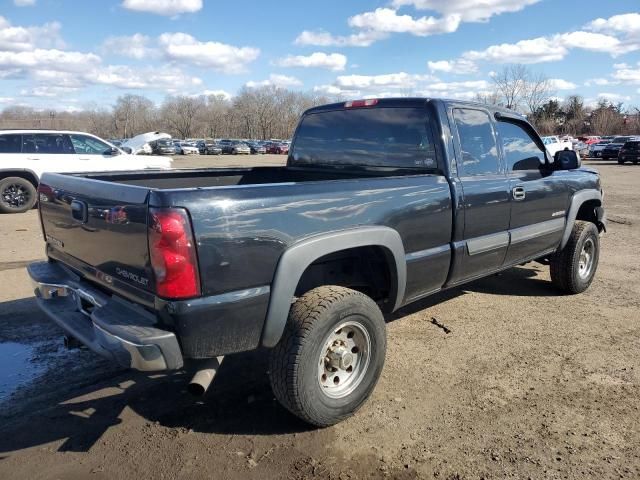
<point x="381" y="203"/>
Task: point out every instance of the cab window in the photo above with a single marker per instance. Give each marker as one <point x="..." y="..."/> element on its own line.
<point x="520" y="149"/>
<point x="477" y="141"/>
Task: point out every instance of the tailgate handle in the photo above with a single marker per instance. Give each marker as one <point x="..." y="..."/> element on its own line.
<point x="79" y="211"/>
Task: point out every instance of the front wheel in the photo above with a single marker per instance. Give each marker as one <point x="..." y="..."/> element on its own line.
<point x="620" y="161"/>
<point x="573" y="268"/>
<point x="17" y="195"/>
<point x="330" y="356"/>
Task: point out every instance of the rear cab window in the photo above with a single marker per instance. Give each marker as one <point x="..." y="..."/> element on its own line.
<point x="395" y="137"/>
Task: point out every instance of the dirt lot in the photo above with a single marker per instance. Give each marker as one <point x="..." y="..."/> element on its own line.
<point x="527" y="384"/>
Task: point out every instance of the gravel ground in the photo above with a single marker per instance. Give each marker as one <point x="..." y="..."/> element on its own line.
<point x="527" y="384"/>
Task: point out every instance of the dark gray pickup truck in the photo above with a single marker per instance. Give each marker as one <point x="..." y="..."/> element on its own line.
<point x="381" y="203"/>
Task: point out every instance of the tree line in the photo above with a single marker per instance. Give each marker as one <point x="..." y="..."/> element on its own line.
<point x="261" y="113"/>
<point x="272" y="112"/>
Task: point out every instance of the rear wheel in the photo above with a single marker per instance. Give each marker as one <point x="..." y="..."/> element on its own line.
<point x="330" y="355"/>
<point x="573" y="268"/>
<point x="17" y="195"/>
<point x="620" y="161"/>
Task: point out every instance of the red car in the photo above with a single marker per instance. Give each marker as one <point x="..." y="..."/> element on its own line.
<point x="278" y="148"/>
<point x="590" y="140"/>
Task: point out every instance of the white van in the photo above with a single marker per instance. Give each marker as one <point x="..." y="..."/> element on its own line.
<point x="26" y="154"/>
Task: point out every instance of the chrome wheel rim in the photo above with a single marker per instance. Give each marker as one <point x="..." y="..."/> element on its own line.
<point x="587" y="258"/>
<point x="15" y="195"/>
<point x="344" y="359"/>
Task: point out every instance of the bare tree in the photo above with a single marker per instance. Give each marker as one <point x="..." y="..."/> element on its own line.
<point x="537" y="91"/>
<point x="179" y="114"/>
<point x="511" y="83"/>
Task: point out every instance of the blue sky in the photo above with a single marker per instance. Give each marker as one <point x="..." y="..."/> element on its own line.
<point x="67" y="54"/>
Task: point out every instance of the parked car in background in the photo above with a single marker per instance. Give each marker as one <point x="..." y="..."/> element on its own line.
<point x="240" y="148"/>
<point x="226" y="145"/>
<point x="256" y="148"/>
<point x="26" y="154"/>
<point x="554" y="144"/>
<point x="277" y="148"/>
<point x="595" y="150"/>
<point x="581" y="148"/>
<point x="211" y="148"/>
<point x="164" y="146"/>
<point x="186" y="148"/>
<point x="141" y="144"/>
<point x="630" y="152"/>
<point x="589" y="140"/>
<point x="611" y="151"/>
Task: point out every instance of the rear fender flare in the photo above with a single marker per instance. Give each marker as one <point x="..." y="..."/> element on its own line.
<point x="295" y="260"/>
<point x="576" y="202"/>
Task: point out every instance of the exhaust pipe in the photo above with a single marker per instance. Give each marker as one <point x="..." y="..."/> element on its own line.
<point x="201" y="381"/>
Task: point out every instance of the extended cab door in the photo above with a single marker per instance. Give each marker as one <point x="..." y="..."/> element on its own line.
<point x="485" y="196"/>
<point x="539" y="197"/>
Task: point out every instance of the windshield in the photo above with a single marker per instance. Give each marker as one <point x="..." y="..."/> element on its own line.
<point x="389" y="137"/>
<point x="620" y="139"/>
<point x="164" y="143"/>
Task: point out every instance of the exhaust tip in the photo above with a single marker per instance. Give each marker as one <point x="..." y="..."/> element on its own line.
<point x="196" y="389"/>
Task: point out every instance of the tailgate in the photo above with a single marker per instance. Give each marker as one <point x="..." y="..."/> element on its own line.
<point x="100" y="229"/>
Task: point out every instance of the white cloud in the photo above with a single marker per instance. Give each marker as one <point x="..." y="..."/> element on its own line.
<point x="126" y="77"/>
<point x="331" y="61"/>
<point x="20" y="39"/>
<point x="392" y="84"/>
<point x="325" y="39"/>
<point x="525" y="51"/>
<point x="133" y="46"/>
<point x="627" y="74"/>
<point x="219" y="56"/>
<point x="387" y="20"/>
<point x="614" y="97"/>
<point x="56" y="60"/>
<point x="24" y="3"/>
<point x="596" y="42"/>
<point x="560" y="84"/>
<point x="469" y="10"/>
<point x="459" y="67"/>
<point x="46" y="91"/>
<point x="276" y="80"/>
<point x="598" y="81"/>
<point x="628" y="23"/>
<point x="167" y="8"/>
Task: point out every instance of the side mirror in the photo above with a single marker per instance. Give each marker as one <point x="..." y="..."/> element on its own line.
<point x="112" y="151"/>
<point x="127" y="150"/>
<point x="566" y="160"/>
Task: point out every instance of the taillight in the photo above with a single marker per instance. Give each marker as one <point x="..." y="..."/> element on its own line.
<point x="173" y="253"/>
<point x="370" y="102"/>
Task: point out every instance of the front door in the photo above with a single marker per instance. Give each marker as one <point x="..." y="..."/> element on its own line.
<point x="539" y="197"/>
<point x="486" y="197"/>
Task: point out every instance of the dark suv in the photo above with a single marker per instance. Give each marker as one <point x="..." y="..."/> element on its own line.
<point x="630" y="152"/>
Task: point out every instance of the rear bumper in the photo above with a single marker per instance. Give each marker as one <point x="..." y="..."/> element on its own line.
<point x="108" y="325"/>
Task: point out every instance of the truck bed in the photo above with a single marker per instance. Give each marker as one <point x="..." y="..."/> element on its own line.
<point x="223" y="177"/>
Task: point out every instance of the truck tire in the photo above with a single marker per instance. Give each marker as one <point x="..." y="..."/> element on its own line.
<point x="17" y="195"/>
<point x="573" y="268"/>
<point x="330" y="356"/>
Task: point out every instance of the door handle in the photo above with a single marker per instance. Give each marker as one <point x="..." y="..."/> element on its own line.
<point x="85" y="158"/>
<point x="33" y="158"/>
<point x="519" y="193"/>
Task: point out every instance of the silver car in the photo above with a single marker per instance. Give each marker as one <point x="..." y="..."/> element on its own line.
<point x="240" y="149"/>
